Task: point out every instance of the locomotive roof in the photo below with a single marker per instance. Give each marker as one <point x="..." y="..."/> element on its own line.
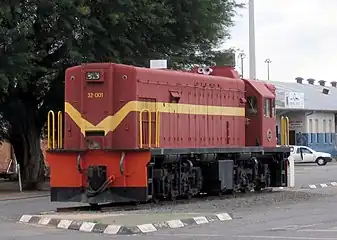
<point x="314" y="98"/>
<point x="261" y="88"/>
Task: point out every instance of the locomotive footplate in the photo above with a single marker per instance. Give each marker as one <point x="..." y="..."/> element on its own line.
<point x="262" y="150"/>
<point x="110" y="195"/>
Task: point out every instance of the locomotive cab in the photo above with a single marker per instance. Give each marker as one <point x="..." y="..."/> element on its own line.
<point x="260" y="114"/>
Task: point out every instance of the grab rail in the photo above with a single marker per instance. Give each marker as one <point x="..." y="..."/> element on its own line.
<point x="51" y="130"/>
<point x="59" y="129"/>
<point x="51" y="144"/>
<point x="157" y="128"/>
<point x="284" y="130"/>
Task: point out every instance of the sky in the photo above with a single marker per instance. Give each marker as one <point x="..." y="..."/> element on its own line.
<point x="299" y="36"/>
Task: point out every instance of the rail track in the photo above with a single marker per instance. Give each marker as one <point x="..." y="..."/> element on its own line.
<point x="111" y="207"/>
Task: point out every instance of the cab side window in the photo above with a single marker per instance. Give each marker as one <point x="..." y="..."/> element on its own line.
<point x="273" y="108"/>
<point x="267" y="107"/>
<point x="251" y="106"/>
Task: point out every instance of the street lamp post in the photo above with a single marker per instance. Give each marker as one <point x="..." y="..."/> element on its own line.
<point x="268" y="61"/>
<point x="242" y="55"/>
<point x="252" y="57"/>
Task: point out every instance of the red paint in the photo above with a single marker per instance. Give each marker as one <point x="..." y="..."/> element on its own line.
<point x="64" y="171"/>
<point x="123" y="83"/>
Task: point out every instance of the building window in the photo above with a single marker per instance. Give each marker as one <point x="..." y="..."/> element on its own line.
<point x="311" y="134"/>
<point x="330" y="130"/>
<point x="266" y="108"/>
<point x="325" y="132"/>
<point x="317" y="130"/>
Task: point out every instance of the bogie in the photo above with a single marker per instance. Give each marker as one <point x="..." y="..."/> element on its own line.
<point x="188" y="176"/>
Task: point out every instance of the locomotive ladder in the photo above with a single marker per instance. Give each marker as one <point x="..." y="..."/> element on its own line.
<point x="52" y="143"/>
<point x="157" y="128"/>
<point x="284" y="131"/>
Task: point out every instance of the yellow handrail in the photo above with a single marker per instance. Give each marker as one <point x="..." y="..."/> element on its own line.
<point x="51" y="136"/>
<point x="281" y="130"/>
<point x="59" y="130"/>
<point x="284" y="130"/>
<point x="287" y="130"/>
<point x="51" y="113"/>
<point x="141" y="127"/>
<point x="157" y="128"/>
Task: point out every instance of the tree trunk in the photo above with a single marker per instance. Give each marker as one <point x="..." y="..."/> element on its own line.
<point x="28" y="152"/>
<point x="25" y="137"/>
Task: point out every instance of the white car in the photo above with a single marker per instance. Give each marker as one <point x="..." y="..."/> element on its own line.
<point x="304" y="154"/>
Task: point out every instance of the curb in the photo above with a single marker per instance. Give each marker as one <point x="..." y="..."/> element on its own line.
<point x="23" y="197"/>
<point x="92" y="227"/>
<point x="321" y="185"/>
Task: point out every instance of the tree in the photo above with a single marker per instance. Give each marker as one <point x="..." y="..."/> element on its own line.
<point x="39" y="39"/>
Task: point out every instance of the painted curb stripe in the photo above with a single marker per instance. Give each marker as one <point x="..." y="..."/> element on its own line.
<point x="91" y="227"/>
<point x="320" y="185"/>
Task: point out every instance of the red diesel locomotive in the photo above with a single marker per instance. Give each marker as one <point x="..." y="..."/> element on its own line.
<point x="135" y="134"/>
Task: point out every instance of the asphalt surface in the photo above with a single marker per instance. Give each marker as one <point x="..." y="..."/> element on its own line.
<point x="306" y="214"/>
<point x="306" y="174"/>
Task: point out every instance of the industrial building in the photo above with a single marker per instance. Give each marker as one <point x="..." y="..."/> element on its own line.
<point x="311" y="108"/>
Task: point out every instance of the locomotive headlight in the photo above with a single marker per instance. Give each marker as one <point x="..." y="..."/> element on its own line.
<point x="93" y="76"/>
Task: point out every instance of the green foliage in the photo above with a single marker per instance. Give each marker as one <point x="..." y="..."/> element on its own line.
<point x="39" y="39"/>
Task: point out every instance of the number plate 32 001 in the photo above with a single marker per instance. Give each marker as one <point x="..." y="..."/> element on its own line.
<point x="95" y="95"/>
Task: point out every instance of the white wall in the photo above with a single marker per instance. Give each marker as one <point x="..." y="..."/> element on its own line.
<point x="320" y="125"/>
<point x="321" y="137"/>
<point x="296" y="121"/>
<point x="300" y="121"/>
<point x="319" y="117"/>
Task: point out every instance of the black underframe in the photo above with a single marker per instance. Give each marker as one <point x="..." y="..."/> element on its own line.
<point x="121" y="194"/>
<point x="174" y="151"/>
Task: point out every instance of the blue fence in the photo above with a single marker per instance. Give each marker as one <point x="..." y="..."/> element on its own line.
<point x="322" y="142"/>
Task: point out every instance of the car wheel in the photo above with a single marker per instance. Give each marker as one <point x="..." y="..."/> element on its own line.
<point x="321" y="161"/>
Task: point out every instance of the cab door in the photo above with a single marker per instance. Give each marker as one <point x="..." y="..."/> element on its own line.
<point x="268" y="131"/>
<point x="253" y="125"/>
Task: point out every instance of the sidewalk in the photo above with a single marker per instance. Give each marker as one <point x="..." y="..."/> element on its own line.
<point x="9" y="190"/>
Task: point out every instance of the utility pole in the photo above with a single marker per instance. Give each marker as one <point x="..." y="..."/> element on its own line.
<point x="268" y="61"/>
<point x="242" y="55"/>
<point x="252" y="57"/>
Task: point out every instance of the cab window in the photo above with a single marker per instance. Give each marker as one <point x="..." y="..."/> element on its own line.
<point x="267" y="107"/>
<point x="251" y="106"/>
<point x="273" y="108"/>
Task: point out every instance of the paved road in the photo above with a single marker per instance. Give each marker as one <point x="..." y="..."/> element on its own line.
<point x="314" y="220"/>
<point x="281" y="220"/>
<point x="307" y="218"/>
<point x="306" y="174"/>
